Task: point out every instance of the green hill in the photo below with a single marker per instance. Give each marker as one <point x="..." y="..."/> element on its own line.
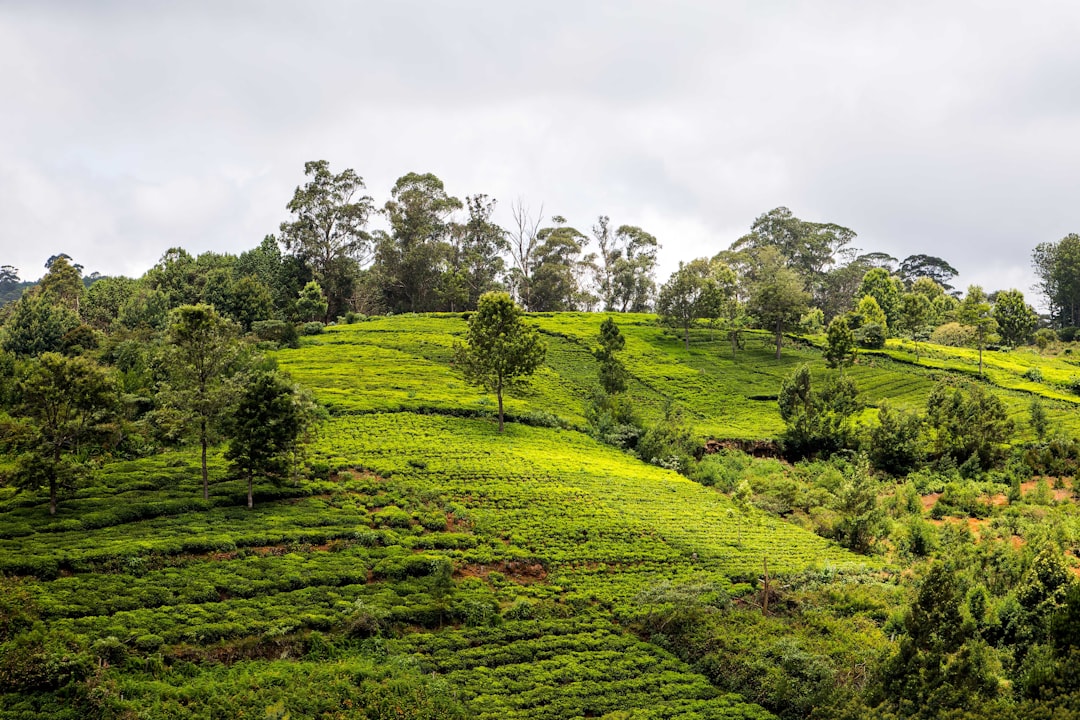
<point x="433" y="567"/>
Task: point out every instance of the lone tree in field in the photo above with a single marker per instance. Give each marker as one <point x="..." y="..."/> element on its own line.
<point x="612" y="372"/>
<point x="203" y="348"/>
<point x="67" y="404"/>
<point x="840" y="349"/>
<point x="500" y="350"/>
<point x="266" y="428"/>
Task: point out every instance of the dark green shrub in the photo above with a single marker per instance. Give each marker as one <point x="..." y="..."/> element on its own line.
<point x="312" y="328"/>
<point x="871" y="336"/>
<point x="277" y="331"/>
<point x="1067" y="334"/>
<point x="392" y="516"/>
<point x="149" y="643"/>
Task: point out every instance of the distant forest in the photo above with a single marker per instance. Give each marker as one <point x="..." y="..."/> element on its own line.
<point x="442" y="253"/>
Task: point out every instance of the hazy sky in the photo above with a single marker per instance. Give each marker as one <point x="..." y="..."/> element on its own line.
<point x="947" y="128"/>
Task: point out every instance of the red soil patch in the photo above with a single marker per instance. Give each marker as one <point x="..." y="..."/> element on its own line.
<point x="456" y="524"/>
<point x="520" y="572"/>
<point x="928" y="501"/>
<point x="1059" y="494"/>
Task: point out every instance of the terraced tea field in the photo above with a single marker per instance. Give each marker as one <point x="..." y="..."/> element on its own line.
<point x="432" y="567"/>
<point x="405" y="364"/>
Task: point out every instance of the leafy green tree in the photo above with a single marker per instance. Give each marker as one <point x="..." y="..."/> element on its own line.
<point x="557" y="264"/>
<point x="698" y="289"/>
<point x="410" y="259"/>
<point x="1016" y="320"/>
<point x="840" y="350"/>
<point x="808" y="248"/>
<point x="916" y="267"/>
<point x="282" y="275"/>
<point x="777" y="297"/>
<point x="968" y="422"/>
<point x="612" y="372"/>
<point x="146" y="309"/>
<point x="328" y="231"/>
<point x="942" y="306"/>
<point x="627" y="261"/>
<point x="836" y="293"/>
<point x="177" y="276"/>
<point x="69" y="404"/>
<point x="37" y="325"/>
<point x="1039" y="420"/>
<point x="817" y="422"/>
<point x="669" y="442"/>
<point x="311" y="303"/>
<point x="887" y="290"/>
<point x="203" y="351"/>
<point x="916" y="311"/>
<point x="500" y="350"/>
<point x="63" y="283"/>
<point x="870" y="323"/>
<point x="474" y="259"/>
<point x="975" y="312"/>
<point x="1057" y="266"/>
<point x="248" y="301"/>
<point x="10" y="284"/>
<point x="936" y="667"/>
<point x="896" y="445"/>
<point x="266" y="427"/>
<point x="1044" y="338"/>
<point x="862" y="521"/>
<point x="103" y="300"/>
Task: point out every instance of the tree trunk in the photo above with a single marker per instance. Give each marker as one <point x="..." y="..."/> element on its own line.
<point x="498" y="392"/>
<point x="251" y="500"/>
<point x="980" y="359"/>
<point x="779" y="337"/>
<point x="52" y="496"/>
<point x="734" y="344"/>
<point x="765" y="596"/>
<point x="686" y="335"/>
<point x="205" y="480"/>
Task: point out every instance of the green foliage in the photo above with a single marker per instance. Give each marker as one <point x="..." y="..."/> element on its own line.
<point x="887" y="292"/>
<point x="311" y="304"/>
<point x="953" y="335"/>
<point x="840" y="349"/>
<point x="202" y="350"/>
<point x="612" y="372"/>
<point x="1038" y="419"/>
<point x="1044" y="338"/>
<point x="500" y="349"/>
<point x="328" y="233"/>
<point x="896" y="444"/>
<point x="976" y="312"/>
<point x="266" y="427"/>
<point x="1016" y="320"/>
<point x="37" y="325"/>
<point x="698" y="289"/>
<point x="817" y="421"/>
<point x="861" y="522"/>
<point x="670" y="442"/>
<point x="968" y="423"/>
<point x="277" y="331"/>
<point x="777" y="296"/>
<point x="69" y="404"/>
<point x="872" y="336"/>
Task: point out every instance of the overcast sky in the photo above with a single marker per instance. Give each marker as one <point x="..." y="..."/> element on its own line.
<point x="951" y="129"/>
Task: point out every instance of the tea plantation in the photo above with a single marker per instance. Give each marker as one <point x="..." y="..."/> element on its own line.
<point x="431" y="567"/>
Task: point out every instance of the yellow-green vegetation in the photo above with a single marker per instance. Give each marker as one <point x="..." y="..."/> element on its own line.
<point x="428" y="566"/>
